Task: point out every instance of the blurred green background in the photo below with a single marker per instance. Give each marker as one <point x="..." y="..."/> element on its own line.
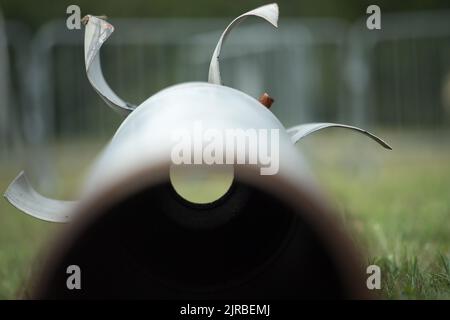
<point x="36" y="14"/>
<point x="321" y="65"/>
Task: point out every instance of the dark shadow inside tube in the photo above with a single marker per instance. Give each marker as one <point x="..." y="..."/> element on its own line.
<point x="155" y="245"/>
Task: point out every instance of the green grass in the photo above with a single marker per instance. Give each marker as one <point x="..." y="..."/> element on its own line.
<point x="395" y="205"/>
<point x="23" y="239"/>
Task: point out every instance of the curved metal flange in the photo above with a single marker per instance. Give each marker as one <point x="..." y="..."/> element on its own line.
<point x="96" y="33"/>
<point x="268" y="12"/>
<point x="301" y="131"/>
<point x="22" y="195"/>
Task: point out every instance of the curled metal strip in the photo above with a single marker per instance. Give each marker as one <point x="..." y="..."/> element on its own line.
<point x="96" y="33"/>
<point x="268" y="12"/>
<point x="22" y="195"/>
<point x="301" y="131"/>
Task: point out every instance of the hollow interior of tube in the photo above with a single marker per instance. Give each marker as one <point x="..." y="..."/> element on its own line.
<point x="203" y="183"/>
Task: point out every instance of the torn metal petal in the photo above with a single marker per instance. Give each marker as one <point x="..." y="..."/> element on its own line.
<point x="268" y="12"/>
<point x="22" y="195"/>
<point x="96" y="33"/>
<point x="301" y="131"/>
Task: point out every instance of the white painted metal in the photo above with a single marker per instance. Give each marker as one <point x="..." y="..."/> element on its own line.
<point x="268" y="12"/>
<point x="97" y="32"/>
<point x="303" y="130"/>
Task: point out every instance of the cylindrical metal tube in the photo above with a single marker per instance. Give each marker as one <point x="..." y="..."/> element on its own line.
<point x="269" y="236"/>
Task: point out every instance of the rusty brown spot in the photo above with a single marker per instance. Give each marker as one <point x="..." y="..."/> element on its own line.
<point x="266" y="100"/>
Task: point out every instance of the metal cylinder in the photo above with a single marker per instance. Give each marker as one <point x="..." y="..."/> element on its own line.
<point x="133" y="236"/>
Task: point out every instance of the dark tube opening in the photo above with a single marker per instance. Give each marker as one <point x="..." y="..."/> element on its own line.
<point x="152" y="245"/>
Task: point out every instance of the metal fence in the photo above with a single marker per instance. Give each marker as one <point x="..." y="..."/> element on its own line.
<point x="14" y="98"/>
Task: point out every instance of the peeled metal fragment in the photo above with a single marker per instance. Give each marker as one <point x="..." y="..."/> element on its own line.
<point x="268" y="12"/>
<point x="21" y="194"/>
<point x="303" y="130"/>
<point x="96" y="33"/>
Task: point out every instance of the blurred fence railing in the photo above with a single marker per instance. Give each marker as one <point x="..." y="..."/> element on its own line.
<point x="14" y="98"/>
<point x="316" y="69"/>
<point x="401" y="76"/>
